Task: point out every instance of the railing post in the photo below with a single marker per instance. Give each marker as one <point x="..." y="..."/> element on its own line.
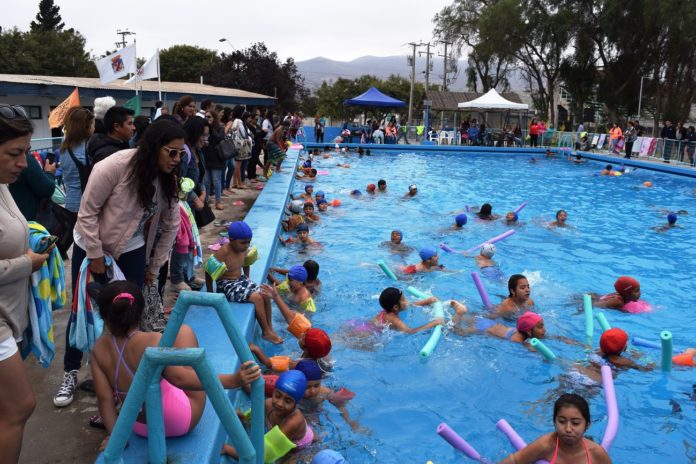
<point x="156" y="440"/>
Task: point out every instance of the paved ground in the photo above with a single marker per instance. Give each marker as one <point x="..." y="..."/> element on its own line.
<point x="63" y="435"/>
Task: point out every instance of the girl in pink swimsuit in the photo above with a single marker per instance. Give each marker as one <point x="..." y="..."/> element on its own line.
<point x="567" y="445"/>
<point x="116" y="356"/>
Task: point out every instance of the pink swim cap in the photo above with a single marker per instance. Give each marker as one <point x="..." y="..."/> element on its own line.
<point x="527" y="321"/>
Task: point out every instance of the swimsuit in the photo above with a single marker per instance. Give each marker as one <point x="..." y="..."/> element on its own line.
<point x="237" y="290"/>
<point x="587" y="452"/>
<point x="483" y="324"/>
<point x="511" y="331"/>
<point x="176" y="407"/>
<point x="303" y="442"/>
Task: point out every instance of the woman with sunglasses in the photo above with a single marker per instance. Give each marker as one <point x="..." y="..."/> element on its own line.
<point x="17" y="262"/>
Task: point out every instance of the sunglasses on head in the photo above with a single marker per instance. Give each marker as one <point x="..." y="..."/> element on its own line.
<point x="174" y="152"/>
<point x="12" y="111"/>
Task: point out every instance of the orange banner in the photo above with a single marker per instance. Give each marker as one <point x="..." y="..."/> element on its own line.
<point x="57" y="116"/>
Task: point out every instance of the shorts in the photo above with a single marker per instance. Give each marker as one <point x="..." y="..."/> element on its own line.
<point x="238" y="290"/>
<point x="273" y="153"/>
<point x="8" y="348"/>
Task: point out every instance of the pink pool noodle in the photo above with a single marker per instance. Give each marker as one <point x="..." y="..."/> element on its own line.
<point x="457" y="442"/>
<point x="515" y="440"/>
<point x="612" y="408"/>
<point x="498" y="238"/>
<point x="520" y="208"/>
<point x="482" y="290"/>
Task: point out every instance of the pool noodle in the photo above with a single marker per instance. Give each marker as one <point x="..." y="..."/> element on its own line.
<point x="382" y="265"/>
<point x="520" y="208"/>
<point x="495" y="239"/>
<point x="543" y="349"/>
<point x="589" y="322"/>
<point x="603" y="323"/>
<point x="482" y="290"/>
<point x="446" y="249"/>
<point x="515" y="439"/>
<point x="637" y="341"/>
<point x="612" y="408"/>
<point x="438" y="313"/>
<point x="457" y="442"/>
<point x="417" y="293"/>
<point x="666" y="338"/>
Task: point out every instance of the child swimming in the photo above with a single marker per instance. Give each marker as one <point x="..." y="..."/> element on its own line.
<point x="627" y="290"/>
<point x="395" y="243"/>
<point x="117" y="354"/>
<point x="518" y="299"/>
<point x="429" y="262"/>
<point x="295" y="218"/>
<point x="671" y="223"/>
<point x="294" y="286"/>
<point x="307" y="195"/>
<point x="371" y="189"/>
<point x="302" y="236"/>
<point x="393" y="301"/>
<point x="567" y="444"/>
<point x="235" y="284"/>
<point x="282" y="412"/>
<point x="309" y="214"/>
<point x="381" y="184"/>
<point x="322" y="205"/>
<point x="486" y="213"/>
<point x="561" y="217"/>
<point x="313" y="284"/>
<point x="412" y="191"/>
<point x="511" y="218"/>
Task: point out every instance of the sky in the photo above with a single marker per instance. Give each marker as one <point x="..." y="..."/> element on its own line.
<point x="301" y="29"/>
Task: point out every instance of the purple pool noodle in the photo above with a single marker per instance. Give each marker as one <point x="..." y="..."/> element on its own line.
<point x="482" y="290"/>
<point x="457" y="442"/>
<point x="515" y="440"/>
<point x="444" y="247"/>
<point x="520" y="208"/>
<point x="495" y="239"/>
<point x="612" y="408"/>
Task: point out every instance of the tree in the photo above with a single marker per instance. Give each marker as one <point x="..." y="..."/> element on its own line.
<point x="256" y="69"/>
<point x="48" y="18"/>
<point x="186" y="63"/>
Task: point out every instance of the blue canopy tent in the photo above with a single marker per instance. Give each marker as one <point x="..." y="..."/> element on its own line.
<point x="374" y="97"/>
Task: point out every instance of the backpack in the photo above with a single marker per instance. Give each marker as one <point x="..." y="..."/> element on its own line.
<point x="83" y="169"/>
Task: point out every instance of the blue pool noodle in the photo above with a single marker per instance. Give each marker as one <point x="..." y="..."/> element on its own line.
<point x="438" y="313"/>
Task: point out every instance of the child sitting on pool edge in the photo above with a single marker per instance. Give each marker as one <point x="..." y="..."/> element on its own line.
<point x="235" y="284"/>
<point x="429" y="262"/>
<point x="283" y="417"/>
<point x="393" y="301"/>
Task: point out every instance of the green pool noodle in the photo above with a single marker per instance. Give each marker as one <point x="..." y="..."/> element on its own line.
<point x="666" y="339"/>
<point x="438" y="313"/>
<point x="589" y="321"/>
<point x="417" y="293"/>
<point x="276" y="445"/>
<point x="602" y="320"/>
<point x="543" y="349"/>
<point x="382" y="265"/>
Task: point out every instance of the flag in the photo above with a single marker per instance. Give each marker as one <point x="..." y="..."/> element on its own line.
<point x="133" y="104"/>
<point x="57" y="116"/>
<point x="149" y="70"/>
<point x="116" y="65"/>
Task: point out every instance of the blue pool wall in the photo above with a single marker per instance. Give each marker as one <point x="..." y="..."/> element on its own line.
<point x="203" y="443"/>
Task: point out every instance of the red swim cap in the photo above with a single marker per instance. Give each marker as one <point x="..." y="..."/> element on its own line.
<point x="613" y="341"/>
<point x="317" y="343"/>
<point x="371" y="187"/>
<point x="528" y="321"/>
<point x="624" y="283"/>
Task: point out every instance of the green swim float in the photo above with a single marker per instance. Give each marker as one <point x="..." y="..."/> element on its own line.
<point x="382" y="265"/>
<point x="543" y="349"/>
<point x="215" y="268"/>
<point x="252" y="256"/>
<point x="276" y="445"/>
<point x="438" y="313"/>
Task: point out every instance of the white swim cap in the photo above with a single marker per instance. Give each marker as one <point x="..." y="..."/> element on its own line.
<point x="488" y="250"/>
<point x="296" y="206"/>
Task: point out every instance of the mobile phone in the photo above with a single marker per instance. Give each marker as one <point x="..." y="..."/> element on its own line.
<point x="51" y="158"/>
<point x="46" y="243"/>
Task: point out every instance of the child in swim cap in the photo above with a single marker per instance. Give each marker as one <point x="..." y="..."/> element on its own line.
<point x="412" y="191"/>
<point x="429" y="262"/>
<point x="356" y="193"/>
<point x="322" y="205"/>
<point x="295" y="218"/>
<point x="612" y="343"/>
<point x="511" y="218"/>
<point x="316" y="393"/>
<point x="671" y="222"/>
<point x="371" y="188"/>
<point x="312" y="284"/>
<point x="627" y="290"/>
<point x="302" y="236"/>
<point x="282" y="412"/>
<point x="393" y="301"/>
<point x="459" y="221"/>
<point x="294" y="287"/>
<point x="307" y="195"/>
<point x="484" y="258"/>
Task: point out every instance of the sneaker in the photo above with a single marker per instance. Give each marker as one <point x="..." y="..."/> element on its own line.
<point x="66" y="391"/>
<point x="181" y="286"/>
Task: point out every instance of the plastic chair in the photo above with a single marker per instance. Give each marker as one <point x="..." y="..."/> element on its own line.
<point x="445" y="138"/>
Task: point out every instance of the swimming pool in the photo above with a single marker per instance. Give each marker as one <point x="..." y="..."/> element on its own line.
<point x="472" y="382"/>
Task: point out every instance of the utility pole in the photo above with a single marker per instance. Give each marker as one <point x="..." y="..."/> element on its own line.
<point x="123" y="34"/>
<point x="427" y="64"/>
<point x="444" y="69"/>
<point x="412" y="62"/>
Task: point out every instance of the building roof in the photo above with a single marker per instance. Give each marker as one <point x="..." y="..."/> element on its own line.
<point x="90" y="87"/>
<point x="449" y="101"/>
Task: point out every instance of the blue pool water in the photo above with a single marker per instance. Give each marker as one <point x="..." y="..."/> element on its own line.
<point x="472" y="382"/>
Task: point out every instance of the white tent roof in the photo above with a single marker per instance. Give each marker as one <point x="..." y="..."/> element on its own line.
<point x="492" y="100"/>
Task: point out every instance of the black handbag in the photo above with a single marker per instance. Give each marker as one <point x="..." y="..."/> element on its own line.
<point x="204" y="216"/>
<point x="227" y="148"/>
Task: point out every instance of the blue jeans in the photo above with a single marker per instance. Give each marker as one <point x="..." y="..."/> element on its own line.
<point x="226" y="178"/>
<point x="214" y="176"/>
<point x="181" y="267"/>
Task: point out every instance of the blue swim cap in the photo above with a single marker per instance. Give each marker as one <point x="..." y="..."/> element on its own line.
<point x="298" y="273"/>
<point x="319" y="193"/>
<point x="461" y="219"/>
<point x="307" y="164"/>
<point x="292" y="383"/>
<point x="328" y="457"/>
<point x="671" y="218"/>
<point x="356" y="192"/>
<point x="516" y="217"/>
<point x="426" y="253"/>
<point x="302" y="227"/>
<point x="239" y="230"/>
<point x="310" y="368"/>
<point x="321" y="201"/>
<point x="307" y="187"/>
<point x="401" y="234"/>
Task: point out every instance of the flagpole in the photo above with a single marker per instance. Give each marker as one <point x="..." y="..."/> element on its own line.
<point x="135" y="81"/>
<point x="159" y="79"/>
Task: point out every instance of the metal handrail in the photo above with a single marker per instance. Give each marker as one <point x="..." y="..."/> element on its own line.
<point x="147" y="377"/>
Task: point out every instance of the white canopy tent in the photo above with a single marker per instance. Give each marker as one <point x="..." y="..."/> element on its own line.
<point x="492" y="101"/>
